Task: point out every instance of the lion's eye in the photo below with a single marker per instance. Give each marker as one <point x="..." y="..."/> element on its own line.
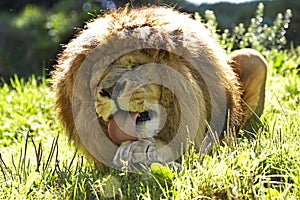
<point x="105" y="93"/>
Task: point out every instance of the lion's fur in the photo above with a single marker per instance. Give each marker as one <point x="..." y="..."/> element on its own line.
<point x="163" y="25"/>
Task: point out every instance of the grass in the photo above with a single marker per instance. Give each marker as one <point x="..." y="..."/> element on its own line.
<point x="37" y="162"/>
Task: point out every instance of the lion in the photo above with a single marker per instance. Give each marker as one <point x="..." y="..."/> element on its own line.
<point x="138" y="86"/>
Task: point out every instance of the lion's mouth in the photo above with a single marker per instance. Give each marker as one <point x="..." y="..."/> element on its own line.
<point x="123" y="125"/>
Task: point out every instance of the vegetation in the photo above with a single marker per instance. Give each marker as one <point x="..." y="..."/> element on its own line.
<point x="37" y="161"/>
<point x="32" y="37"/>
<point x="32" y="32"/>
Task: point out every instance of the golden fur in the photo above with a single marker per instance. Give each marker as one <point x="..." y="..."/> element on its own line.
<point x="242" y="75"/>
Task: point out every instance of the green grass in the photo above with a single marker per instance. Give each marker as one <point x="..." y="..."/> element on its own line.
<point x="37" y="162"/>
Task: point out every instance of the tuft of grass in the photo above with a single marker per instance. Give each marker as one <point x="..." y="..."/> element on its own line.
<point x="25" y="107"/>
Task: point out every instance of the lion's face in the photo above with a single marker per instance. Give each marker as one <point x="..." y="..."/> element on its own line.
<point x="143" y="103"/>
<point x="131" y="108"/>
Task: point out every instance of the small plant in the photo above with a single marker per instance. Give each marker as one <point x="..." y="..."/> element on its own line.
<point x="258" y="35"/>
<point x="269" y="39"/>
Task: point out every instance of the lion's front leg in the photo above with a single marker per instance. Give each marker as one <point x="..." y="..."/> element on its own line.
<point x="142" y="153"/>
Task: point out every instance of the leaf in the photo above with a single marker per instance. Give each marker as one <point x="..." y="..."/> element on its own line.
<point x="162" y="171"/>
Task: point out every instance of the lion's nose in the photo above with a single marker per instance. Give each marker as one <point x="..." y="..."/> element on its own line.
<point x="130" y="96"/>
<point x="120" y="86"/>
<point x="143" y="116"/>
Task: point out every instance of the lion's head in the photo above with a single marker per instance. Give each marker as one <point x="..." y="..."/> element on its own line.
<point x="147" y="79"/>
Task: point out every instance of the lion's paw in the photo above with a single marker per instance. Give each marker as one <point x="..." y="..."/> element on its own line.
<point x="139" y="153"/>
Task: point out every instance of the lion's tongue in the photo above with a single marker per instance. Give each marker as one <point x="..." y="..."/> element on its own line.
<point x="123" y="127"/>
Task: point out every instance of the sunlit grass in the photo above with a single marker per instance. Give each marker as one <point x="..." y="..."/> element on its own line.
<point x="36" y="163"/>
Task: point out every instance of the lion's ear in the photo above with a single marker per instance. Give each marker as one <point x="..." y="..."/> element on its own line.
<point x="251" y="68"/>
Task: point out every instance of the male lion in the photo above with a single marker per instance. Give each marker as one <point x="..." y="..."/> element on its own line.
<point x="137" y="86"/>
